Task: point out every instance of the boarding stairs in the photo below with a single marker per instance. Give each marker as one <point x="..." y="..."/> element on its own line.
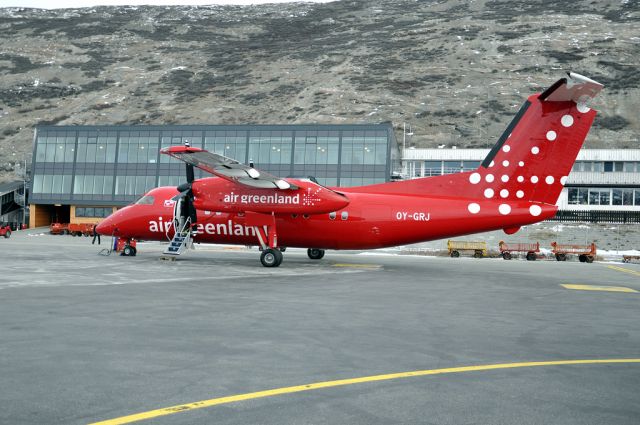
<point x="182" y="238"/>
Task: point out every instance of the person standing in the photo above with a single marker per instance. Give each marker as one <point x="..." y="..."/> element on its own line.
<point x="95" y="235"/>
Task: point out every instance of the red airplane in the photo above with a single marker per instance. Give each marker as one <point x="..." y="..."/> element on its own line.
<point x="518" y="183"/>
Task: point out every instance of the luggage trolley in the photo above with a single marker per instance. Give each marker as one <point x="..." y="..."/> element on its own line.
<point x="530" y="248"/>
<point x="479" y="248"/>
<point x="585" y="253"/>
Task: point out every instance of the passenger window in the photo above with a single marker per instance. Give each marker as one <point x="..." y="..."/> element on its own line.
<point x="332" y="215"/>
<point x="344" y="215"/>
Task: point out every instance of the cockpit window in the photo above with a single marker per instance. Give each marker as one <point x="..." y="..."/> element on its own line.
<point x="145" y="200"/>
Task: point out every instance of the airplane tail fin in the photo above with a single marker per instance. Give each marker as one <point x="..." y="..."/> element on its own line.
<point x="533" y="157"/>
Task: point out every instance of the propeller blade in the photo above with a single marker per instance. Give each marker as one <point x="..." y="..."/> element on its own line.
<point x="181" y="195"/>
<point x="190" y="174"/>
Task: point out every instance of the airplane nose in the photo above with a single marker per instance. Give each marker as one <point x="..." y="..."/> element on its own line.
<point x="106" y="227"/>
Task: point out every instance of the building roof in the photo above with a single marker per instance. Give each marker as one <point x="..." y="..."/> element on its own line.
<point x="10" y="186"/>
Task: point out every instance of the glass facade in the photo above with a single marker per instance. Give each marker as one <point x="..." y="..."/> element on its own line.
<point x="114" y="165"/>
<point x="603" y="196"/>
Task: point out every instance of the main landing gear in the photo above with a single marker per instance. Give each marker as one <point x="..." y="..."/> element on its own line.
<point x="315" y="253"/>
<point x="271" y="257"/>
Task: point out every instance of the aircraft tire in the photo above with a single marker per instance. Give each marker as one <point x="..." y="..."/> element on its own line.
<point x="315" y="253"/>
<point x="271" y="257"/>
<point x="128" y="251"/>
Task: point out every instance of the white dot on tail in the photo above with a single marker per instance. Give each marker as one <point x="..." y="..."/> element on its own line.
<point x="521" y="163"/>
<point x="488" y="193"/>
<point x="583" y="108"/>
<point x="520" y="179"/>
<point x="520" y="194"/>
<point x="504" y="193"/>
<point x="567" y="120"/>
<point x="549" y="179"/>
<point x="473" y="208"/>
<point x="535" y="210"/>
<point x="505" y="163"/>
<point x="475" y="178"/>
<point x="492" y="164"/>
<point x="551" y="135"/>
<point x="489" y="178"/>
<point x="506" y="148"/>
<point x="505" y="178"/>
<point x="504" y="209"/>
<point x="535" y="150"/>
<point x="563" y="180"/>
<point x="534" y="179"/>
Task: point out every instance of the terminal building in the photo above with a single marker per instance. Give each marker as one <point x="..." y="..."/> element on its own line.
<point x="603" y="186"/>
<point x="81" y="174"/>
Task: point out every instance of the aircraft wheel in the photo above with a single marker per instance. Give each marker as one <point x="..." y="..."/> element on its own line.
<point x="315" y="254"/>
<point x="455" y="254"/>
<point x="128" y="251"/>
<point x="271" y="257"/>
<point x="282" y="248"/>
<point x="531" y="256"/>
<point x="506" y="255"/>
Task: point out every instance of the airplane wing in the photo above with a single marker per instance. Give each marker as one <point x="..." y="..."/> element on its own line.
<point x="227" y="168"/>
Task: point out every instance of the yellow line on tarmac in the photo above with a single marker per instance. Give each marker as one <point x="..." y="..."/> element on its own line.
<point x="622" y="269"/>
<point x="598" y="288"/>
<point x="342" y="382"/>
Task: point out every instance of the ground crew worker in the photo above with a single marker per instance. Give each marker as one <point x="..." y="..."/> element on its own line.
<point x="95" y="235"/>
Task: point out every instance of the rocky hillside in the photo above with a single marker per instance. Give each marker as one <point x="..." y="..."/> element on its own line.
<point x="456" y="70"/>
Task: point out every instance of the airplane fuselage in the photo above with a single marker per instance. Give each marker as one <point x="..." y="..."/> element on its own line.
<point x="369" y="221"/>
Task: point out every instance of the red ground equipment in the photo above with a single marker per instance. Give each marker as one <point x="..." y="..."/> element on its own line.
<point x="126" y="247"/>
<point x="79" y="229"/>
<point x="506" y="249"/>
<point x="585" y="253"/>
<point x="59" y="228"/>
<point x="5" y="230"/>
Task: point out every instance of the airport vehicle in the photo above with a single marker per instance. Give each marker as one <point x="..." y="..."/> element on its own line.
<point x="59" y="228"/>
<point x="518" y="183"/>
<point x="5" y="230"/>
<point x="585" y="253"/>
<point x="532" y="249"/>
<point x="631" y="258"/>
<point x="479" y="248"/>
<point x="79" y="229"/>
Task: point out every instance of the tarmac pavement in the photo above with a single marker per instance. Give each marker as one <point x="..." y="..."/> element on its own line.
<point x="88" y="338"/>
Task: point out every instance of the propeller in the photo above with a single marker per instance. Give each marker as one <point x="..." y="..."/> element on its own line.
<point x="186" y="208"/>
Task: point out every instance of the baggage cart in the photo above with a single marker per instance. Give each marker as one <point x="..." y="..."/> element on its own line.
<point x="585" y="253"/>
<point x="507" y="249"/>
<point x="455" y="247"/>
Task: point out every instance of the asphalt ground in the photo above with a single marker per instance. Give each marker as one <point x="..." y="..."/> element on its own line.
<point x="86" y="338"/>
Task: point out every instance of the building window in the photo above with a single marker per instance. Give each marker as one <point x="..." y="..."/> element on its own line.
<point x="578" y="196"/>
<point x="599" y="196"/>
<point x="432" y="168"/>
<point x="93" y="212"/>
<point x="344" y="215"/>
<point x="629" y="167"/>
